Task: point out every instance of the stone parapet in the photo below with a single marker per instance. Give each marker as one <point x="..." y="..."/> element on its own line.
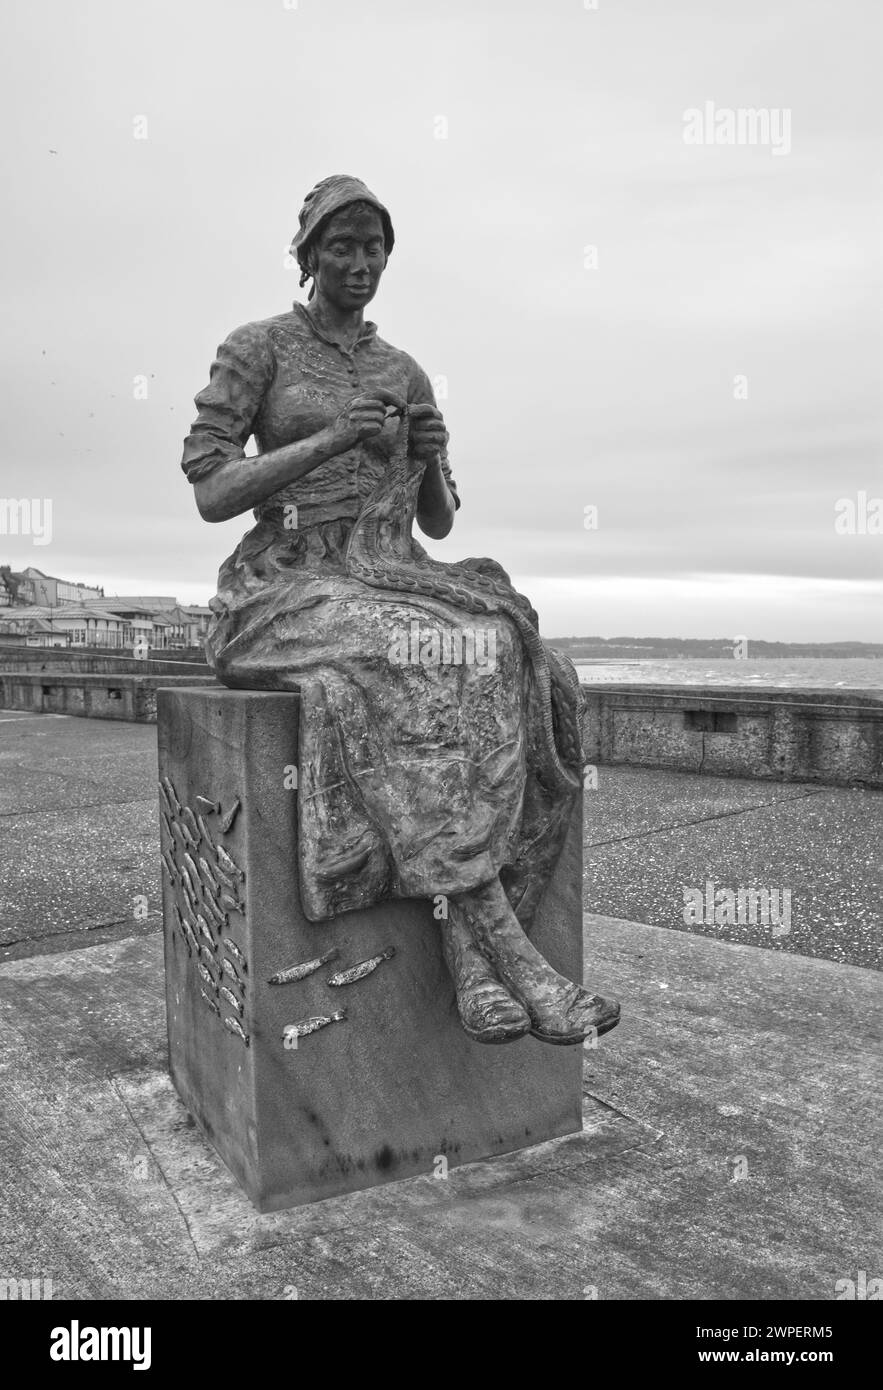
<point x="833" y="737"/>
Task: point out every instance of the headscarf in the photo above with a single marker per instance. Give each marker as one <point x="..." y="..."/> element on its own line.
<point x="328" y="197"/>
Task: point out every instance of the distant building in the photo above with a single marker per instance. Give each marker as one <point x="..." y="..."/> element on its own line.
<point x="184" y="625"/>
<point x="69" y="625"/>
<point x="44" y="589"/>
<point x="199" y="617"/>
<point x="85" y="625"/>
<point x="41" y="610"/>
<point x="9" y="587"/>
<point x="174" y="625"/>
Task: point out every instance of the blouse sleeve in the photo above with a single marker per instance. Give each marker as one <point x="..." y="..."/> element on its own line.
<point x="239" y="379"/>
<point x="420" y="392"/>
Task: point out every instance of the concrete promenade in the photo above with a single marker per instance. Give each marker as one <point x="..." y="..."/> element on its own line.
<point x="731" y="1121"/>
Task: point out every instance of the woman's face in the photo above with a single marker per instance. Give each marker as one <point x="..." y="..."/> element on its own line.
<point x="350" y="258"/>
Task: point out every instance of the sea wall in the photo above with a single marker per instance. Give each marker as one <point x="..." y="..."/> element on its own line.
<point x="126" y="697"/>
<point x="829" y="736"/>
<point x="82" y="661"/>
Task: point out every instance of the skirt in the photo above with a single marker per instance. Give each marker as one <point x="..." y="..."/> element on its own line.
<point x="419" y="738"/>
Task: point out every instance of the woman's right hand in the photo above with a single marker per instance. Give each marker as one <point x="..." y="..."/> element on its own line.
<point x="364" y="416"/>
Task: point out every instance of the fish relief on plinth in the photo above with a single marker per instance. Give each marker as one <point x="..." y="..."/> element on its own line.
<point x="349" y="975"/>
<point x="206" y="883"/>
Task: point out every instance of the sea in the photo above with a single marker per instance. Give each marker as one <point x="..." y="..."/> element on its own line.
<point x="783" y="673"/>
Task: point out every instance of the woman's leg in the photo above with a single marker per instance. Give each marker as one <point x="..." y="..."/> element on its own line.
<point x="487" y="1011"/>
<point x="560" y="1011"/>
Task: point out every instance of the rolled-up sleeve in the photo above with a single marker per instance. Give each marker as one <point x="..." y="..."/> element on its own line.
<point x="239" y="378"/>
<point x="420" y="392"/>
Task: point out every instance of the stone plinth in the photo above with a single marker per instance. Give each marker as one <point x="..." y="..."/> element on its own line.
<point x="380" y="1095"/>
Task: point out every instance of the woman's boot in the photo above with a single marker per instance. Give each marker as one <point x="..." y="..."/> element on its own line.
<point x="488" y="1012"/>
<point x="560" y="1011"/>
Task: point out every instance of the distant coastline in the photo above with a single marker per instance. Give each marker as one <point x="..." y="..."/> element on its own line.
<point x="638" y="649"/>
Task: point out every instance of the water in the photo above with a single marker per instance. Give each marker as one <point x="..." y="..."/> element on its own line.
<point x="784" y="673"/>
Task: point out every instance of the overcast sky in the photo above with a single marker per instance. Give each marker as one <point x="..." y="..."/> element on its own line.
<point x="567" y="386"/>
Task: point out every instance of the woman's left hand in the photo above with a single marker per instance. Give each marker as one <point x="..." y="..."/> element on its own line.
<point x="428" y="435"/>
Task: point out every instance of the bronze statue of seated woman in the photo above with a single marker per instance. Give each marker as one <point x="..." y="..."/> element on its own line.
<point x="439" y="740"/>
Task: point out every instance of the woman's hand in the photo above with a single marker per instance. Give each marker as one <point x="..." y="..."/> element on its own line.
<point x="363" y="417"/>
<point x="428" y="435"/>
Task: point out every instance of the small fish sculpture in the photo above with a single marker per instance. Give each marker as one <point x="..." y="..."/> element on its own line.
<point x="364" y="967"/>
<point x="204" y="928"/>
<point x="230" y="969"/>
<point x="211" y="911"/>
<point x="231" y="999"/>
<point x="206" y="975"/>
<point x="192" y="943"/>
<point x="204" y="831"/>
<point x="211" y="1003"/>
<point x="227" y="864"/>
<point x="169" y="866"/>
<point x="206" y="872"/>
<point x="166" y="799"/>
<point x="207" y="952"/>
<point x="190" y="822"/>
<point x="236" y="1027"/>
<point x="232" y="904"/>
<point x="236" y="953"/>
<point x="181" y="925"/>
<point x="191" y="839"/>
<point x="192" y="871"/>
<point x="174" y="803"/>
<point x="211" y="806"/>
<point x="226" y="880"/>
<point x="229" y="818"/>
<point x="312" y="1025"/>
<point x="305" y="968"/>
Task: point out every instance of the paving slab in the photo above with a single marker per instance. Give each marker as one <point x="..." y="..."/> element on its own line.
<point x="56" y="762"/>
<point x="78" y="832"/>
<point x="729" y="1149"/>
<point x="650" y="835"/>
<point x="78" y="871"/>
<point x="630" y="803"/>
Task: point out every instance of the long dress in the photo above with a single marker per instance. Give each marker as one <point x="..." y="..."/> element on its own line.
<point x="438" y="741"/>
